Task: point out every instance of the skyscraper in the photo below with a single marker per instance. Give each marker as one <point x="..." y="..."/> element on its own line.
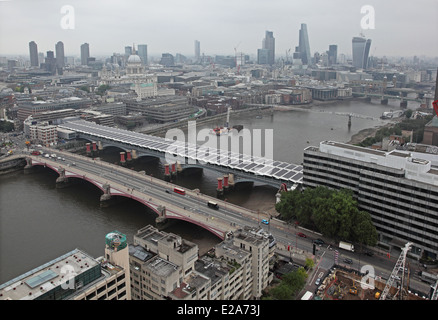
<point x="361" y="50"/>
<point x="59" y="49"/>
<point x="143" y="53"/>
<point x="303" y="45"/>
<point x="128" y="51"/>
<point x="50" y="62"/>
<point x="197" y="50"/>
<point x="332" y="54"/>
<point x="33" y="52"/>
<point x="266" y="55"/>
<point x="85" y="53"/>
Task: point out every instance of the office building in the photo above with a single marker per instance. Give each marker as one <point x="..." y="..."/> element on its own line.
<point x="262" y="56"/>
<point x="77" y="276"/>
<point x="60" y="58"/>
<point x="399" y="189"/>
<point x="50" y="62"/>
<point x="143" y="53"/>
<point x="332" y="54"/>
<point x="303" y="45"/>
<point x="361" y="50"/>
<point x="197" y="50"/>
<point x="128" y="51"/>
<point x="167" y="60"/>
<point x="85" y="54"/>
<point x="268" y="44"/>
<point x="33" y="52"/>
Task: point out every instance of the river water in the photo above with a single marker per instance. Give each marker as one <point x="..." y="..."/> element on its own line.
<point x="39" y="222"/>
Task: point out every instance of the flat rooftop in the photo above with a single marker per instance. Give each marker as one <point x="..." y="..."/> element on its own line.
<point x="38" y="281"/>
<point x="161" y="267"/>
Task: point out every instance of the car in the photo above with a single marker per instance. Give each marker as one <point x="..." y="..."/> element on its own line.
<point x="264" y="221"/>
<point x="318" y="281"/>
<point x="319" y="242"/>
<point x="348" y="260"/>
<point x="167" y="191"/>
<point x="302" y="235"/>
<point x="369" y="253"/>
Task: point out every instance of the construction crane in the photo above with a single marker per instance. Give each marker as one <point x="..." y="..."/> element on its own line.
<point x="435" y="291"/>
<point x="398" y="268"/>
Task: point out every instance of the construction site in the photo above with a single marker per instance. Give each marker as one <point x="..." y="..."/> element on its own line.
<point x="345" y="284"/>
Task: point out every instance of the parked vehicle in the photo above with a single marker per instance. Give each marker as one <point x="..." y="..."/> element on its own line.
<point x="307" y="296"/>
<point x="346" y="246"/>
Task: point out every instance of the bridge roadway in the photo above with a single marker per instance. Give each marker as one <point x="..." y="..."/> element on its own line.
<point x="151" y="191"/>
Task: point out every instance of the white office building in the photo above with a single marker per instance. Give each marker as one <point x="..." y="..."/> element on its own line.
<point x="398" y="188"/>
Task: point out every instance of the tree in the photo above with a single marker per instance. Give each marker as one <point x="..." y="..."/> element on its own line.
<point x="363" y="230"/>
<point x="291" y="284"/>
<point x="334" y="213"/>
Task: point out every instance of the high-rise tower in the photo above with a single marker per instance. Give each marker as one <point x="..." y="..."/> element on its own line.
<point x="197" y="50"/>
<point x="143" y="53"/>
<point x="33" y="52"/>
<point x="59" y="50"/>
<point x="361" y="51"/>
<point x="85" y="53"/>
<point x="303" y="46"/>
<point x="332" y="54"/>
<point x="266" y="55"/>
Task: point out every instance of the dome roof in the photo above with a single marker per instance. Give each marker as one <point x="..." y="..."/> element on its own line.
<point x="134" y="59"/>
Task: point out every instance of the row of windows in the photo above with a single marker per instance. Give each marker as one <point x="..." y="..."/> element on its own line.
<point x="397" y="215"/>
<point x="400" y="183"/>
<point x="352" y="164"/>
<point x="403" y="203"/>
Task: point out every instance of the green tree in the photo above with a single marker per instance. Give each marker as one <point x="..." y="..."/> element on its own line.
<point x="363" y="230"/>
<point x="291" y="284"/>
<point x="334" y="213"/>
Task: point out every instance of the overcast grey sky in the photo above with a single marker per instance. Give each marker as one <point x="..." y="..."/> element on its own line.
<point x="402" y="27"/>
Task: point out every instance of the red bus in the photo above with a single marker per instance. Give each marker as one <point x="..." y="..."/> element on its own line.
<point x="180" y="191"/>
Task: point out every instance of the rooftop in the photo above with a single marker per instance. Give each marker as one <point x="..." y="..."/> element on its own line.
<point x="38" y="281"/>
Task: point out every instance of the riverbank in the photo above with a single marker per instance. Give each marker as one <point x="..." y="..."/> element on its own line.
<point x="366" y="133"/>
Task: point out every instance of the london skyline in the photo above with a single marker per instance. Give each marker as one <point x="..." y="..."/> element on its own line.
<point x="402" y="28"/>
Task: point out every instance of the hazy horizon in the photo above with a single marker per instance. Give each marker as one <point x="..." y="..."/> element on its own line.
<point x="402" y="28"/>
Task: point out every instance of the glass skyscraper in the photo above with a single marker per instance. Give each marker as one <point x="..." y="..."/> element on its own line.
<point x="303" y="46"/>
<point x="143" y="53"/>
<point x="266" y="55"/>
<point x="361" y="51"/>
